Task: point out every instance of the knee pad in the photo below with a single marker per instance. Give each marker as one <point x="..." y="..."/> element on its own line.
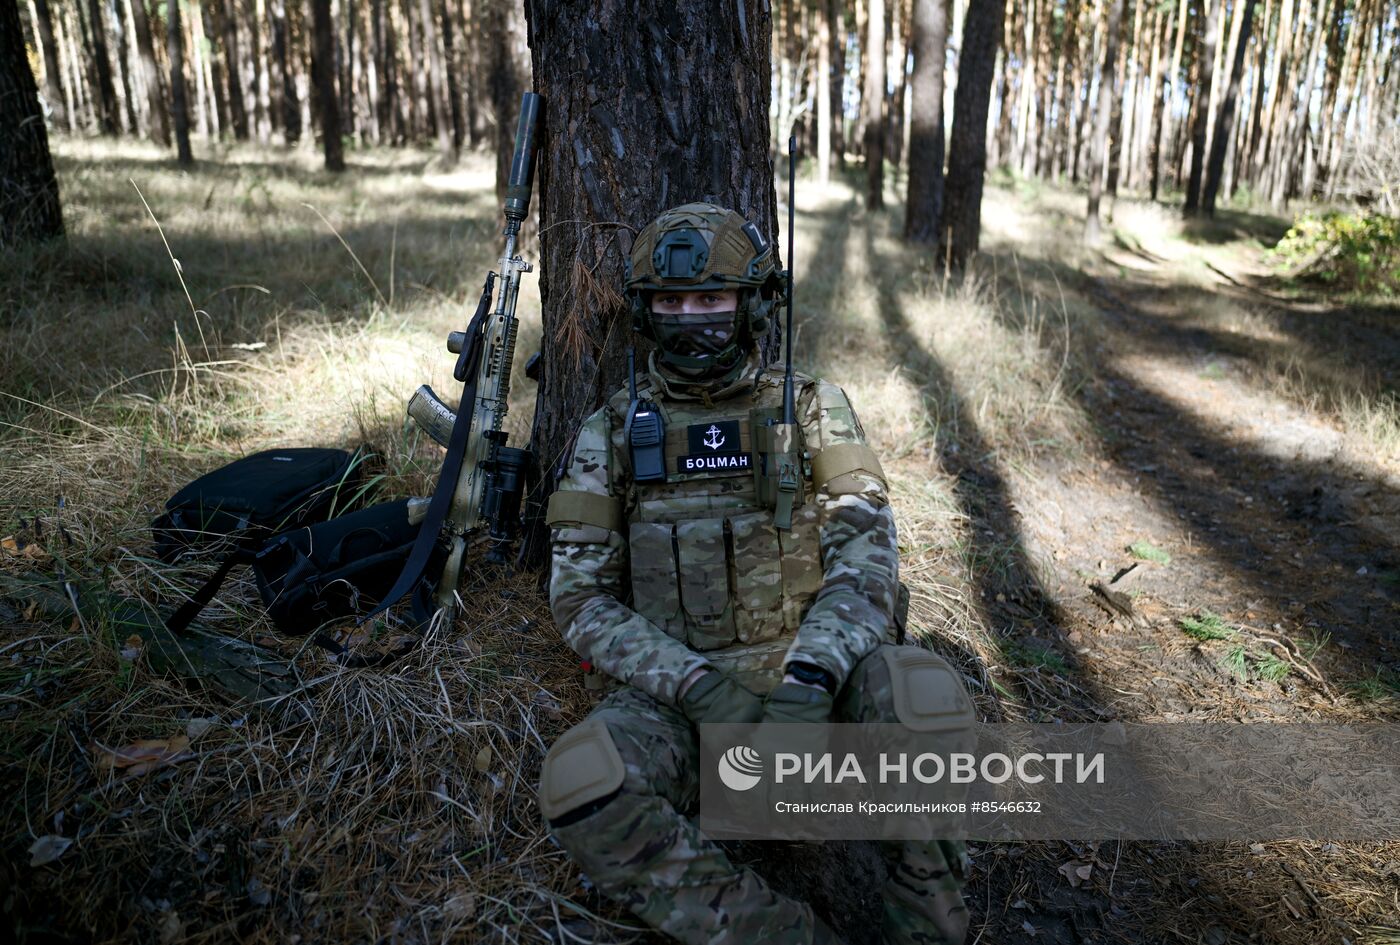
<point x="581" y="770"/>
<point x="928" y="696"/>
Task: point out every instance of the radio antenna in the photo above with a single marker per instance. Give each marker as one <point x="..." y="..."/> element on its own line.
<point x="789" y="411"/>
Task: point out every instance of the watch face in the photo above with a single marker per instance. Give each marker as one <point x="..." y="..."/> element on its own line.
<point x="811" y="675"/>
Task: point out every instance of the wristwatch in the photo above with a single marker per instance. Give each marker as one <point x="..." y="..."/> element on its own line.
<point x="812" y="675"/>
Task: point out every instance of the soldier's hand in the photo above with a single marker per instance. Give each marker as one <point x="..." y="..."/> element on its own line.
<point x="715" y="697"/>
<point x="795" y="702"/>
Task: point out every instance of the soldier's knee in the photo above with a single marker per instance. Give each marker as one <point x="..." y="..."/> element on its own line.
<point x="913" y="687"/>
<point x="582" y="773"/>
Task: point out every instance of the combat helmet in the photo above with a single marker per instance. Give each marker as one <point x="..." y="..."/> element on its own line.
<point x="704" y="246"/>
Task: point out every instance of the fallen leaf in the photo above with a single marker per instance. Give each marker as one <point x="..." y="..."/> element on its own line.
<point x="197" y="727"/>
<point x="172" y="929"/>
<point x="28" y="549"/>
<point x="1029" y="929"/>
<point x="131" y="649"/>
<point x="47" y="849"/>
<point x="1257" y="849"/>
<point x="483" y="759"/>
<point x="258" y="894"/>
<point x="460" y="907"/>
<point x="146" y="755"/>
<point x="1076" y="872"/>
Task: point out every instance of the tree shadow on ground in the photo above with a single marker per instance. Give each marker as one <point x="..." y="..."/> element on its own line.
<point x="1231" y="226"/>
<point x="1294" y="535"/>
<point x="1026" y="619"/>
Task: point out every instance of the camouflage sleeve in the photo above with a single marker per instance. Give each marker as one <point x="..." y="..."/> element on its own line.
<point x="860" y="558"/>
<point x="589" y="580"/>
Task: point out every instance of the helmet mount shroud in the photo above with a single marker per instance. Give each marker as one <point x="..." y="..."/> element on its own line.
<point x="700" y="246"/>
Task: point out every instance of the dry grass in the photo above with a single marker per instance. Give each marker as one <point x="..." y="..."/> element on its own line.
<point x="403" y="809"/>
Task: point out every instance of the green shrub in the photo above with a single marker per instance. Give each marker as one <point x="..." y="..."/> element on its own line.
<point x="1358" y="250"/>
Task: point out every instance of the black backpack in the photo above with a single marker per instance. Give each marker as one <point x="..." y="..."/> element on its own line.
<point x="241" y="504"/>
<point x="271" y="510"/>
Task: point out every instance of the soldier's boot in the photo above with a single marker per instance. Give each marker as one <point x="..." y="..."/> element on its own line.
<point x="641" y="852"/>
<point x="923" y="902"/>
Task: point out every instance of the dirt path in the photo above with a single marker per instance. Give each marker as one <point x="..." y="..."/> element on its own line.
<point x="1274" y="519"/>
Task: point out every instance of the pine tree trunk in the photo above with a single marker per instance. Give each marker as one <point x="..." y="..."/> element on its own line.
<point x="623" y="137"/>
<point x="824" y="111"/>
<point x="1274" y="91"/>
<point x="1224" y="124"/>
<point x="1215" y="11"/>
<point x="29" y="205"/>
<point x="437" y="81"/>
<point x="1098" y="150"/>
<point x="179" y="106"/>
<point x="53" y="75"/>
<point x="1160" y="92"/>
<point x="160" y="119"/>
<point x="262" y="72"/>
<point x="967" y="142"/>
<point x="323" y="75"/>
<point x="924" y="205"/>
<point x="836" y="17"/>
<point x="874" y="97"/>
<point x="1115" y="123"/>
<point x="290" y="106"/>
<point x="1064" y="97"/>
<point x="108" y="111"/>
<point x="454" y="87"/>
<point x="128" y="94"/>
<point x="225" y="15"/>
<point x="507" y="76"/>
<point x="1169" y="92"/>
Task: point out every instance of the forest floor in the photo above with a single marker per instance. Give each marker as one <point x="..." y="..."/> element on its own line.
<point x="1048" y="421"/>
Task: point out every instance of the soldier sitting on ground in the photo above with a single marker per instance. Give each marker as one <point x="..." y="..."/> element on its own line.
<point x="701" y="608"/>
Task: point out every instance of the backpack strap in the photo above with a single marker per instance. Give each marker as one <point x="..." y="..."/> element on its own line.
<point x="180" y="621"/>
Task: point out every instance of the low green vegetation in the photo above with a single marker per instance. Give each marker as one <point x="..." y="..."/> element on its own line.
<point x="1146" y="551"/>
<point x="1207" y="626"/>
<point x="1358" y="251"/>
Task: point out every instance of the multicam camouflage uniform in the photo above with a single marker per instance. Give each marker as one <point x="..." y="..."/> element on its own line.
<point x="655" y="580"/>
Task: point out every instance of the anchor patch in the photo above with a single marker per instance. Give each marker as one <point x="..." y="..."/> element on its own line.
<point x="714" y="447"/>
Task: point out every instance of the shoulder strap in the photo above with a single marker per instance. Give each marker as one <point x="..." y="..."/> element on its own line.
<point x="180" y="621"/>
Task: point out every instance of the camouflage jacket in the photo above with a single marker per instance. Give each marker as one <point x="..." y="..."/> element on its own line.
<point x="651" y="581"/>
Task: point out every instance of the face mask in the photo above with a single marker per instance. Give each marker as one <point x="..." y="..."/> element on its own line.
<point x="701" y="336"/>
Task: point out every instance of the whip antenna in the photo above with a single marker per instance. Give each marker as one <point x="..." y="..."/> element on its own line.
<point x="789" y="411"/>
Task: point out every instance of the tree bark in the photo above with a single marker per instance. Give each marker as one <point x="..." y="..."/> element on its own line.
<point x="29" y="205"/>
<point x="454" y="87"/>
<point x="924" y="206"/>
<point x="281" y="52"/>
<point x="323" y="75"/>
<point x="626" y="134"/>
<point x="1160" y="93"/>
<point x="179" y="107"/>
<point x="824" y="110"/>
<point x="967" y="142"/>
<point x="874" y="95"/>
<point x="128" y="93"/>
<point x="437" y="81"/>
<point x="836" y="17"/>
<point x="507" y="76"/>
<point x="53" y="75"/>
<point x="226" y="16"/>
<point x="108" y="111"/>
<point x="1098" y="150"/>
<point x="1215" y="12"/>
<point x="1224" y="124"/>
<point x="1063" y="97"/>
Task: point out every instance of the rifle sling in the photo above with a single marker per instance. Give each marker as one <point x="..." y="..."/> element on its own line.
<point x="441" y="502"/>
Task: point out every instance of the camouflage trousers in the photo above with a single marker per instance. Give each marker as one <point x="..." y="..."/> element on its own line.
<point x="641" y="849"/>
